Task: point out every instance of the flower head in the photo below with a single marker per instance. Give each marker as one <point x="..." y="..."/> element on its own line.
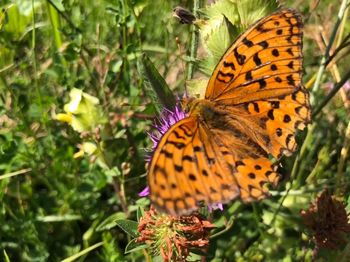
<point x="327" y="220"/>
<point x="166" y="119"/>
<point x="173" y="237"/>
<point x="83" y="112"/>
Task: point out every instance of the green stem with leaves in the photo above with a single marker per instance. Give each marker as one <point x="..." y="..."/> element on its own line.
<point x="194" y="41"/>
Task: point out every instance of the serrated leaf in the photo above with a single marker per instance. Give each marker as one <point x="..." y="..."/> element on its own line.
<point x="220" y="30"/>
<point x="110" y="221"/>
<point x="157" y="82"/>
<point x="133" y="246"/>
<point x="252" y="10"/>
<point x="128" y="226"/>
<point x="226" y="20"/>
<point x="222" y="8"/>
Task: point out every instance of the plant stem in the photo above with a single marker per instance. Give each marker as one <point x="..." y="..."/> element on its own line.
<point x="194" y="41"/>
<point x="344" y="153"/>
<point x="55" y="23"/>
<point x="229" y="225"/>
<point x="329" y="46"/>
<point x="335" y="89"/>
<point x="34" y="57"/>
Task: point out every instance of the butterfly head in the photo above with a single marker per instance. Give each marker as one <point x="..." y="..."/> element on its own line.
<point x="195" y="107"/>
<point x="187" y="103"/>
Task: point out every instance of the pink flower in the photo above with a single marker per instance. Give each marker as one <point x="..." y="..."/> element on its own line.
<point x="173" y="237"/>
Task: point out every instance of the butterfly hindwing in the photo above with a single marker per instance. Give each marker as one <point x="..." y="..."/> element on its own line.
<point x="249" y="164"/>
<point x="277" y="120"/>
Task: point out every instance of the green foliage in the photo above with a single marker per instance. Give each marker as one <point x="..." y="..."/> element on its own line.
<point x="157" y="82"/>
<point x="70" y="191"/>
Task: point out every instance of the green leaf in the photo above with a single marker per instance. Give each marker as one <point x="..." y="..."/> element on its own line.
<point x="252" y="10"/>
<point x="227" y="19"/>
<point x="140" y="213"/>
<point x="222" y="8"/>
<point x="157" y="82"/>
<point x="7" y="259"/>
<point x="196" y="87"/>
<point x="133" y="246"/>
<point x="128" y="226"/>
<point x="82" y="253"/>
<point x="57" y="4"/>
<point x="111" y="221"/>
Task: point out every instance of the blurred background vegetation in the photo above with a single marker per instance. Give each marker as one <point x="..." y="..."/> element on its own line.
<point x="70" y="160"/>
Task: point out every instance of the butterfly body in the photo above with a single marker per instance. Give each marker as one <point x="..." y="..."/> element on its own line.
<point x="253" y="106"/>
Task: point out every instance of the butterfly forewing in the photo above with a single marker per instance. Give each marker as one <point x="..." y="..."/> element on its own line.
<point x="267" y="56"/>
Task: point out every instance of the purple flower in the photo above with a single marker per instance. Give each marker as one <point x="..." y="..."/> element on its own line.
<point x="166" y="119"/>
<point x="213" y="207"/>
<point x="144" y="192"/>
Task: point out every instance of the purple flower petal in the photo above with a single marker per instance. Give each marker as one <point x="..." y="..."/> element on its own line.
<point x="144" y="192"/>
<point x="166" y="119"/>
<point x="213" y="207"/>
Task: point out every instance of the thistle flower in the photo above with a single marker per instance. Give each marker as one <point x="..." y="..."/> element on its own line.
<point x="173" y="237"/>
<point x="328" y="221"/>
<point x="166" y="119"/>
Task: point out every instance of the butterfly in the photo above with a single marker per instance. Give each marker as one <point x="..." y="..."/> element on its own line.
<point x="254" y="104"/>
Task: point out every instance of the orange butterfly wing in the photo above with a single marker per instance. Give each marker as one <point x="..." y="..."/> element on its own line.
<point x="184" y="170"/>
<point x="257" y="90"/>
<point x="264" y="62"/>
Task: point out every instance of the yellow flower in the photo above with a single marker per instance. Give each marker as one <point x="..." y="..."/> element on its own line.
<point x="83" y="111"/>
<point x="64" y="118"/>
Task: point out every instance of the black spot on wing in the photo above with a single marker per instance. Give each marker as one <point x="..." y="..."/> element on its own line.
<point x="278" y="79"/>
<point x="240" y="58"/>
<point x="185" y="130"/>
<point x="166" y="153"/>
<point x="264" y="44"/>
<point x="290" y="80"/>
<point x="248" y="76"/>
<point x="256" y="59"/>
<point x="275" y="52"/>
<point x="229" y="64"/>
<point x="178" y="145"/>
<point x="247" y="42"/>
